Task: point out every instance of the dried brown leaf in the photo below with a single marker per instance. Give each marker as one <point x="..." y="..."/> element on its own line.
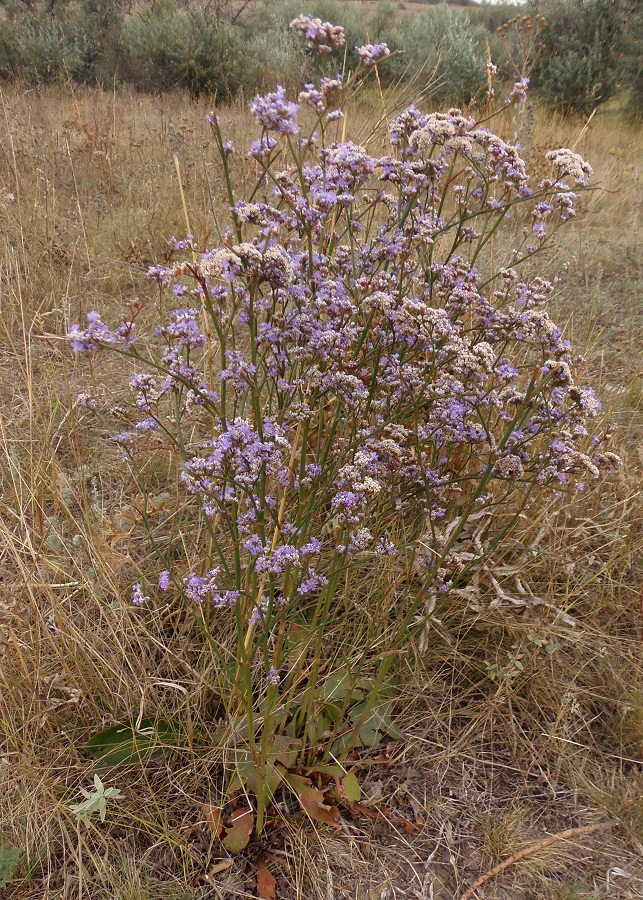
<point x="213" y="818"/>
<point x="241" y="824"/>
<point x="266" y="883"/>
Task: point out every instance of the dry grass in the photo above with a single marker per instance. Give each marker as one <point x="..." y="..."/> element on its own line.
<point x="518" y="725"/>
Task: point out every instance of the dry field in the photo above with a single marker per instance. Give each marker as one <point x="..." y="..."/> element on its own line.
<point x="515" y="728"/>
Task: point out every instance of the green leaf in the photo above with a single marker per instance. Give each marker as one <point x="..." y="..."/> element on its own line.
<point x="328" y="769"/>
<point x="285" y="749"/>
<point x="247" y="776"/>
<point x="333" y="711"/>
<point x="389" y="690"/>
<point x="369" y="737"/>
<point x="315" y="727"/>
<point x="337" y="687"/>
<point x="9" y="861"/>
<point x="394" y="732"/>
<point x="378" y="719"/>
<point x="291" y="728"/>
<point x="126" y="743"/>
<point x="352" y="790"/>
<point x="344" y="741"/>
<point x="281" y="754"/>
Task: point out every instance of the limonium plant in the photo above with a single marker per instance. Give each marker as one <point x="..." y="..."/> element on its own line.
<point x="349" y="378"/>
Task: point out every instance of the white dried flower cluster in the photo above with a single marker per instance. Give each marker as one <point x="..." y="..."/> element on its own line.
<point x="586" y="399"/>
<point x="509" y="467"/>
<point x="415" y="317"/>
<point x="278" y="267"/>
<point x="570" y="164"/>
<point x="361" y="540"/>
<point x="440" y="128"/>
<point x="486" y="355"/>
<point x="388" y="445"/>
<point x="250" y="212"/>
<point x="561" y="370"/>
<point x="274" y="266"/>
<point x="320" y="36"/>
<point x="214" y="266"/>
<point x="353" y="476"/>
<point x="249" y="254"/>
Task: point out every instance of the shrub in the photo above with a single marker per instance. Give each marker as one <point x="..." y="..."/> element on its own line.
<point x="592" y="46"/>
<point x="10" y="57"/>
<point x="42" y="52"/>
<point x="632" y="55"/>
<point x="41" y="47"/>
<point x="440" y="46"/>
<point x="491" y="16"/>
<point x="93" y="27"/>
<point x="361" y="410"/>
<point x="579" y="68"/>
<point x="273" y="56"/>
<point x="382" y="18"/>
<point x="164" y="49"/>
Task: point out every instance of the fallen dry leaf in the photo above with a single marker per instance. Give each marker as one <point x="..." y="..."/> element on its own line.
<point x="213" y="818"/>
<point x="220" y="867"/>
<point x="266" y="884"/>
<point x="241" y="824"/>
<point x="320" y="812"/>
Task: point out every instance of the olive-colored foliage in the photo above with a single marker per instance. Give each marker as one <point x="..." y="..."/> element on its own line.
<point x="592" y="47"/>
<point x="580" y="65"/>
<point x="441" y="48"/>
<point x="164" y="49"/>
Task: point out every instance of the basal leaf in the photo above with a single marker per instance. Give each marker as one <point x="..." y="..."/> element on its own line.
<point x="378" y="719"/>
<point x="352" y="790"/>
<point x="129" y="743"/>
<point x="337" y="687"/>
<point x="369" y="737"/>
<point x="328" y="769"/>
<point x="285" y="749"/>
<point x="268" y="778"/>
<point x="239" y="830"/>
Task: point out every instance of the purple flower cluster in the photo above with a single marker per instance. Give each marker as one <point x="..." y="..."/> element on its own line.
<point x="199" y="588"/>
<point x="275" y="113"/>
<point x="238" y="460"/>
<point x="371" y="54"/>
<point x="183" y="329"/>
<point x="350" y="376"/>
<point x="518" y="93"/>
<point x="317" y="97"/>
<point x="139" y="598"/>
<point x="97" y="334"/>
